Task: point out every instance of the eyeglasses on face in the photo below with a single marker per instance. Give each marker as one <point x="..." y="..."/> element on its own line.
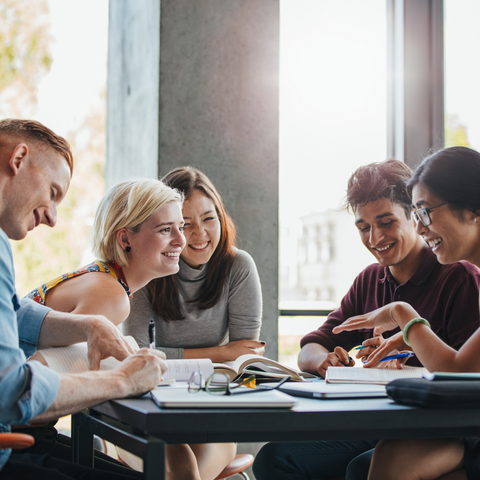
<point x="219" y="384"/>
<point x="423" y="214"/>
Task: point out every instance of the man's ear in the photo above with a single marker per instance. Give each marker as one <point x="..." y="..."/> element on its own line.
<point x="123" y="238"/>
<point x="18" y="157"/>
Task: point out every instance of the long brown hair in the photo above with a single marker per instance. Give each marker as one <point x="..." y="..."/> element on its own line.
<point x="163" y="291"/>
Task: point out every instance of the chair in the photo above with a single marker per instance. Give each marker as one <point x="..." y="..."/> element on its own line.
<point x="237" y="466"/>
<point x="16" y="440"/>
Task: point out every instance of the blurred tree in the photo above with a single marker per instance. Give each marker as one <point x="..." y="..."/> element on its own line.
<point x="49" y="252"/>
<point x="24" y="59"/>
<point x="24" y="54"/>
<point x="455" y="132"/>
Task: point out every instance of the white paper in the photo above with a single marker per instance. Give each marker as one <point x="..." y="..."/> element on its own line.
<point x="181" y="370"/>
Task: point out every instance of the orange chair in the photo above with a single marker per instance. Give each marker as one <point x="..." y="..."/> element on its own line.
<point x="237" y="466"/>
<point x="16" y="440"/>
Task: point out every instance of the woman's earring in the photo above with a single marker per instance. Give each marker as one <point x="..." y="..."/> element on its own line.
<point x="129" y="248"/>
<point x="476" y="219"/>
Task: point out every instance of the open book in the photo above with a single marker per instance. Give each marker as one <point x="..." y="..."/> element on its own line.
<point x="74" y="359"/>
<point x="257" y="365"/>
<point x="379" y="376"/>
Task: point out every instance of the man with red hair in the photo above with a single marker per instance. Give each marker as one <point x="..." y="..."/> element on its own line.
<point x="35" y="171"/>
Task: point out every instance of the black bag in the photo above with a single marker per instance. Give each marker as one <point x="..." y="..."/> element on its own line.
<point x="418" y="392"/>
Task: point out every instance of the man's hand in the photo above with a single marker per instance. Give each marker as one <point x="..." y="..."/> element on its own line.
<point x="315" y="358"/>
<point x="369" y="347"/>
<point x="104" y="340"/>
<point x="136" y="375"/>
<point x="338" y="358"/>
<point x="142" y="371"/>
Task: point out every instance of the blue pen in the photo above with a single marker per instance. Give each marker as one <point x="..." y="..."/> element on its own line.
<point x="398" y="355"/>
<point x="360" y="347"/>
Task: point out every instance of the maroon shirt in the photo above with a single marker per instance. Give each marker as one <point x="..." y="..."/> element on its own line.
<point x="446" y="295"/>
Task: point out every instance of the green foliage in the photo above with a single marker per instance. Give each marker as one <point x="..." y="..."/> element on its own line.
<point x="455" y="133"/>
<point x="24" y="54"/>
<point x="24" y="58"/>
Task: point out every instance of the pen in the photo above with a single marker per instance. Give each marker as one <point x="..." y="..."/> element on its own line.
<point x="360" y="347"/>
<point x="151" y="333"/>
<point x="398" y="355"/>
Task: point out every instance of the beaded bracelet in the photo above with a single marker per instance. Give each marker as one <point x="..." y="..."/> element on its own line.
<point x="409" y="324"/>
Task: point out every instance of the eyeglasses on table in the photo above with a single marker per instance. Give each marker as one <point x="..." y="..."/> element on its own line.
<point x="219" y="384"/>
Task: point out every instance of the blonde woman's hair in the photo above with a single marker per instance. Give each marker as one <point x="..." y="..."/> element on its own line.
<point x="127" y="205"/>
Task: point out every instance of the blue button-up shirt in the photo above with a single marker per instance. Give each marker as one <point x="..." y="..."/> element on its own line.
<point x="26" y="389"/>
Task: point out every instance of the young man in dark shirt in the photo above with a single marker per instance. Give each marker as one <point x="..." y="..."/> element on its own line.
<point x="407" y="270"/>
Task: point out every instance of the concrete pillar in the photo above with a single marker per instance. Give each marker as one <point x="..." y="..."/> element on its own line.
<point x="196" y="83"/>
<point x="132" y="90"/>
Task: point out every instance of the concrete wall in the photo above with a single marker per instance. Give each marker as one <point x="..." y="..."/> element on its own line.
<point x="132" y="90"/>
<point x="196" y="83"/>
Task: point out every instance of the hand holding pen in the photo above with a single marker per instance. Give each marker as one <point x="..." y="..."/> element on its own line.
<point x="397" y="356"/>
<point x="369" y="346"/>
<point x="393" y="344"/>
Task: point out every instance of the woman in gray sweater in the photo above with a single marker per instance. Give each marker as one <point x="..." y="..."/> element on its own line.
<point x="213" y="307"/>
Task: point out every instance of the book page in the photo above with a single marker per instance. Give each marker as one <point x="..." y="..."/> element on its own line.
<point x="181" y="369"/>
<point x="380" y="376"/>
<point x="262" y="363"/>
<point x="74" y="358"/>
<point x="249" y="363"/>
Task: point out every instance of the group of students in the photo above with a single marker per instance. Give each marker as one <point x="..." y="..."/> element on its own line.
<point x="166" y="249"/>
<point x="423" y="294"/>
<point x="172" y="244"/>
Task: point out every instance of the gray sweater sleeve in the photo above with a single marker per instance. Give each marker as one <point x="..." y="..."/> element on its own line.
<point x="136" y="324"/>
<point x="244" y="299"/>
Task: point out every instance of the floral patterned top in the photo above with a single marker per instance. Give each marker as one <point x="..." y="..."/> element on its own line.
<point x="111" y="268"/>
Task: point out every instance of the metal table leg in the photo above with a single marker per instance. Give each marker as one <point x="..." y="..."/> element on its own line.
<point x="151" y="449"/>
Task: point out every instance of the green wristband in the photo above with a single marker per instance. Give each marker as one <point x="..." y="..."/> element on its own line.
<point x="409" y="324"/>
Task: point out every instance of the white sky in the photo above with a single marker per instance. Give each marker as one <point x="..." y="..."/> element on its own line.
<point x="332" y="99"/>
<point x="79" y="69"/>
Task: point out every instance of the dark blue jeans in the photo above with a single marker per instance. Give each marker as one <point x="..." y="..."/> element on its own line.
<point x="314" y="460"/>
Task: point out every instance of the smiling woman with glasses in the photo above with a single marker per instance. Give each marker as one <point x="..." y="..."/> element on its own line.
<point x="423" y="214"/>
<point x="450" y="177"/>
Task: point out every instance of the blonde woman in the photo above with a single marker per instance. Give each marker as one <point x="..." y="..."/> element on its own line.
<point x="138" y="236"/>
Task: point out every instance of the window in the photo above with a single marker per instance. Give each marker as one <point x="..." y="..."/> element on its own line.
<point x="462" y="73"/>
<point x="332" y="120"/>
